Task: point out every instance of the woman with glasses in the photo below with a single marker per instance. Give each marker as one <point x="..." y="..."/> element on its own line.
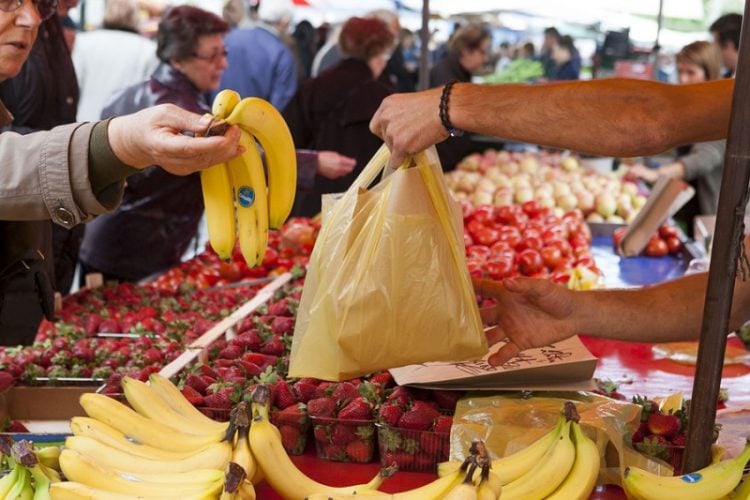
<point x="73" y="172"/>
<point x="467" y="53"/>
<point x="160" y="212"/>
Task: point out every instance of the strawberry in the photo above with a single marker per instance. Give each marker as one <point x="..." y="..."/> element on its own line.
<point x="6" y="381"/>
<point x="282" y="307"/>
<point x="647" y="407"/>
<point x="401" y="396"/>
<point x="321" y="434"/>
<point x="249" y="340"/>
<point x="443" y="424"/>
<point x="91" y="324"/>
<point x="324" y="389"/>
<point x="383" y="378"/>
<point x="208" y="371"/>
<point x="359" y="451"/>
<point x="282" y="325"/>
<point x="679" y="440"/>
<point x="220" y="400"/>
<point x="400" y="458"/>
<point x="640" y="433"/>
<point x="109" y="325"/>
<point x="193" y="396"/>
<point x="321" y="407"/>
<point x="447" y="400"/>
<point x="153" y="355"/>
<point x="344" y="392"/>
<point x="343" y="434"/>
<point x="262" y="360"/>
<point x="231" y="352"/>
<point x="295" y="414"/>
<point x="426" y="461"/>
<point x="357" y="409"/>
<point x="663" y="425"/>
<point x="250" y="369"/>
<point x="292" y="439"/>
<point x="655" y="446"/>
<point x="281" y="394"/>
<point x="722" y="399"/>
<point x="334" y="452"/>
<point x="274" y="346"/>
<point x="304" y="389"/>
<point x="419" y="417"/>
<point x="389" y="414"/>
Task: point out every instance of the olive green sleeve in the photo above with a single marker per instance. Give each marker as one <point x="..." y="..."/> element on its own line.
<point x="105" y="169"/>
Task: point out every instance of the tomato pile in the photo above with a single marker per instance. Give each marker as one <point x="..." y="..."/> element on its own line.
<point x="665" y="241"/>
<point x="525" y="240"/>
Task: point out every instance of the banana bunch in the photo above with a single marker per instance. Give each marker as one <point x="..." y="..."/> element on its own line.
<point x="717" y="480"/>
<point x="160" y="446"/>
<point x="279" y="470"/>
<point x="237" y="199"/>
<point x="562" y="464"/>
<point x="29" y="477"/>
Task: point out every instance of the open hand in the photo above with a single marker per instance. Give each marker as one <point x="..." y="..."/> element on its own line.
<point x="332" y="165"/>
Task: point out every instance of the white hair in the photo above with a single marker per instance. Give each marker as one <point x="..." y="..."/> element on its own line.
<point x="275" y="11"/>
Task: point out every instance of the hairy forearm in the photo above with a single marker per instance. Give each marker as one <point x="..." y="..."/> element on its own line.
<point x="614" y="117"/>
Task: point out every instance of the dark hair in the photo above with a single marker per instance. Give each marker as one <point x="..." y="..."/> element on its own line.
<point x="181" y="27"/>
<point x="566" y="42"/>
<point x="552" y="31"/>
<point x="727" y="29"/>
<point x="704" y="55"/>
<point x="469" y="37"/>
<point x="364" y="38"/>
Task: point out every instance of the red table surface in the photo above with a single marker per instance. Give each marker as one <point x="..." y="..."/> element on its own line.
<point x="631" y="364"/>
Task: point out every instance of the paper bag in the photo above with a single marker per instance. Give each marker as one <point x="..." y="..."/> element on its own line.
<point x="387" y="283"/>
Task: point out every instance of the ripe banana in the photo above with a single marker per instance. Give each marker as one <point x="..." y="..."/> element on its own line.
<point x="42" y="483"/>
<point x="85" y="426"/>
<point x="224" y="103"/>
<point x="582" y="477"/>
<point x="261" y="120"/>
<point x="545" y="477"/>
<point x="8" y="481"/>
<point x="436" y="489"/>
<point x="174" y="398"/>
<point x="280" y="472"/>
<point x="147" y="402"/>
<point x="463" y="491"/>
<point x="215" y="456"/>
<point x="247" y="491"/>
<point x="21" y="489"/>
<point x="511" y="467"/>
<point x="241" y="454"/>
<point x="218" y="202"/>
<point x="490" y="487"/>
<point x="144" y="430"/>
<point x="70" y="490"/>
<point x="743" y="490"/>
<point x="251" y="200"/>
<point x="712" y="482"/>
<point x="49" y="456"/>
<point x="79" y="468"/>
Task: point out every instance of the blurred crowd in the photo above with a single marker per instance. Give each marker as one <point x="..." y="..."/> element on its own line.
<point x="326" y="80"/>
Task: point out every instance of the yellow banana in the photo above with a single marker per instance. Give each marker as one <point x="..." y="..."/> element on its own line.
<point x="144" y="430"/>
<point x="52" y="474"/>
<point x="242" y="456"/>
<point x="261" y="120"/>
<point x="251" y="201"/>
<point x="490" y="487"/>
<point x="70" y="490"/>
<point x="174" y="398"/>
<point x="85" y="426"/>
<point x="712" y="482"/>
<point x="218" y="202"/>
<point x="148" y="403"/>
<point x="215" y="456"/>
<point x="79" y="468"/>
<point x="545" y="477"/>
<point x="511" y="467"/>
<point x="435" y="489"/>
<point x="463" y="491"/>
<point x="42" y="483"/>
<point x="224" y="103"/>
<point x="246" y="491"/>
<point x="582" y="477"/>
<point x="49" y="456"/>
<point x="280" y="472"/>
<point x="8" y="481"/>
<point x="21" y="489"/>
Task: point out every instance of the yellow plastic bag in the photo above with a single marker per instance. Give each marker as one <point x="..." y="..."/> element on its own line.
<point x="387" y="283"/>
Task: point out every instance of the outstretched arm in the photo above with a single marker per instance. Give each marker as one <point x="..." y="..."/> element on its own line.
<point x="612" y="117"/>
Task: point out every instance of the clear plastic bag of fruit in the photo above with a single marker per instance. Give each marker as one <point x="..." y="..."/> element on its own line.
<point x="387" y="284"/>
<point x="511" y="421"/>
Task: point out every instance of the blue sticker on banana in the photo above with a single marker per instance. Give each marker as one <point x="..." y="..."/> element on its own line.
<point x="692" y="478"/>
<point x="246" y="196"/>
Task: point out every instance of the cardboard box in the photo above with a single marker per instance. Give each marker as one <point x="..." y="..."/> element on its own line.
<point x="45" y="403"/>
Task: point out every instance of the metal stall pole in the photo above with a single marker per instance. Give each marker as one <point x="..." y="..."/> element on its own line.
<point x="727" y="246"/>
<point x="424" y="64"/>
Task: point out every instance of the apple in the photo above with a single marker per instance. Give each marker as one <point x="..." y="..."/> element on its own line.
<point x="529" y="165"/>
<point x="567" y="201"/>
<point x="523" y="194"/>
<point x="570" y="164"/>
<point x="594" y="217"/>
<point x="605" y="204"/>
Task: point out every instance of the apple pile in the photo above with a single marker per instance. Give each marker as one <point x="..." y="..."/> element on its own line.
<point x="665" y="241"/>
<point x="525" y="240"/>
<point x="560" y="183"/>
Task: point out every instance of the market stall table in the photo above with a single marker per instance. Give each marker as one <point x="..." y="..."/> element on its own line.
<point x="636" y="366"/>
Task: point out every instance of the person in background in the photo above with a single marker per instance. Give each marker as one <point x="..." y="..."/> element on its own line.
<point x="260" y="63"/>
<point x="567" y="60"/>
<point x="468" y="50"/>
<point x="304" y="41"/>
<point x="70" y="29"/>
<point x="504" y="57"/>
<point x="526" y="51"/>
<point x="333" y="110"/>
<point x="550" y="41"/>
<point x="111" y="58"/>
<point x="726" y="34"/>
<point x="42" y="96"/>
<point x="160" y="211"/>
<point x="702" y="163"/>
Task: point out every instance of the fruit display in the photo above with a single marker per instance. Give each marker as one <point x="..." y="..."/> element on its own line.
<point x="666" y="241"/>
<point x="239" y="203"/>
<point x="553" y="180"/>
<point x="31" y="471"/>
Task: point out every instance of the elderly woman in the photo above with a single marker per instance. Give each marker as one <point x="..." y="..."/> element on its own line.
<point x="333" y="110"/>
<point x="160" y="212"/>
<point x="468" y="49"/>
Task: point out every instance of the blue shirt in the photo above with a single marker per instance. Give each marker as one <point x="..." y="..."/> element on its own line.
<point x="260" y="65"/>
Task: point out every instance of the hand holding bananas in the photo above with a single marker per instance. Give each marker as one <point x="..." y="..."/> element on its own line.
<point x="154" y="137"/>
<point x="236" y="197"/>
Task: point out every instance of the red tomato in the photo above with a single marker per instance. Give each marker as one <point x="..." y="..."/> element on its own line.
<point x="484" y="214"/>
<point x="475" y="269"/>
<point x="656" y="247"/>
<point x="533" y="242"/>
<point x="551" y="256"/>
<point x="560" y="277"/>
<point x="531" y="208"/>
<point x="565" y="263"/>
<point x="667" y="230"/>
<point x="467" y="240"/>
<point x="509" y="235"/>
<point x="617" y="236"/>
<point x="498" y="269"/>
<point x="474" y="226"/>
<point x="563" y="245"/>
<point x="559" y="232"/>
<point x="487" y="236"/>
<point x="530" y="262"/>
<point x="478" y="252"/>
<point x="674" y="245"/>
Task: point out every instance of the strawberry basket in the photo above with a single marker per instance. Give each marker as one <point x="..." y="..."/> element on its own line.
<point x="344" y="440"/>
<point x="293" y="429"/>
<point x="412" y="450"/>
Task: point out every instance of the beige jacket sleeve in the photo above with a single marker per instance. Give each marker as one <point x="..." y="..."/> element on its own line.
<point x="45" y="175"/>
